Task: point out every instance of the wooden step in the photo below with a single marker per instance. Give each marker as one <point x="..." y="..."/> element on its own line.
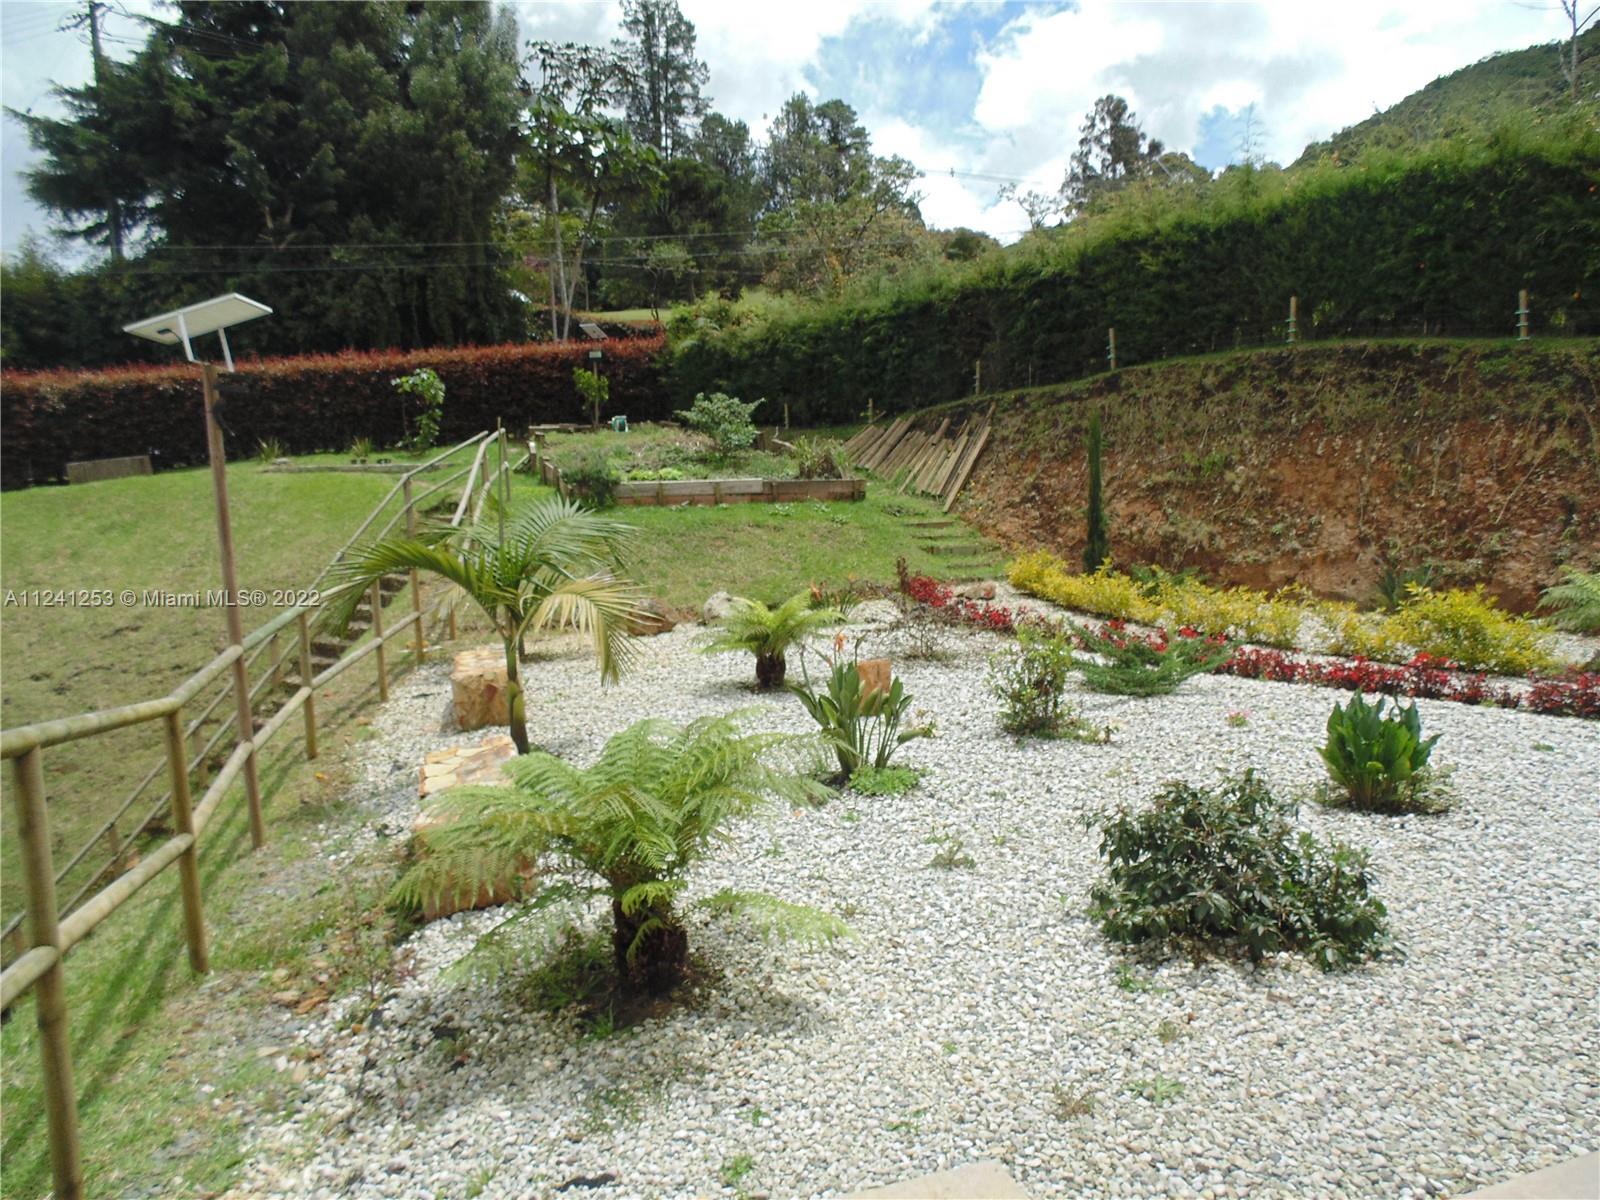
<point x="956" y="548"/>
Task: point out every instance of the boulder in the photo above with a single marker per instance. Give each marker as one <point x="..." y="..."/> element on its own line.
<point x="650" y="618"/>
<point x="718" y="608"/>
<point x="875" y="675"/>
<point x="454" y="767"/>
<point x="478" y="688"/>
<point x="976" y="591"/>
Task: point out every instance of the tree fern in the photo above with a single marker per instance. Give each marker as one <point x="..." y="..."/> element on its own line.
<point x="1575" y="602"/>
<point x="769" y="632"/>
<point x="656" y="801"/>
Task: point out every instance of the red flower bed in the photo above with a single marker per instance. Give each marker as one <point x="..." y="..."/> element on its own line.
<point x="1574" y="694"/>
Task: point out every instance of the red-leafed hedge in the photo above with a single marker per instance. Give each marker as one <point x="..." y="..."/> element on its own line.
<point x="314" y="402"/>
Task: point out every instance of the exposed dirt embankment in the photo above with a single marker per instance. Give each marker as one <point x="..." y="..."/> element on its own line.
<point x="1319" y="465"/>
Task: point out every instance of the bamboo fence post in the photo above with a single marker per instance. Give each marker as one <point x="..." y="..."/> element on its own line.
<point x="194" y="922"/>
<point x="55" y="1049"/>
<point x="419" y="643"/>
<point x="1523" y="313"/>
<point x="241" y="681"/>
<point x="304" y="623"/>
<point x="1111" y="347"/>
<point x="377" y="634"/>
<point x="1294" y="319"/>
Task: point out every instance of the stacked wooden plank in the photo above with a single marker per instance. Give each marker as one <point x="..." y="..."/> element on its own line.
<point x="934" y="461"/>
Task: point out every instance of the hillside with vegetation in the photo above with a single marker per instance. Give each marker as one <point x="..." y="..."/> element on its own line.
<point x="1499" y="88"/>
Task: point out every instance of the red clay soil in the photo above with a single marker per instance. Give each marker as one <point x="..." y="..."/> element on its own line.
<point x="1320" y="465"/>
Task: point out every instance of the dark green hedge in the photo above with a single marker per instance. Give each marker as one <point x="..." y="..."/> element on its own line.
<point x="1436" y="243"/>
<point x="308" y="403"/>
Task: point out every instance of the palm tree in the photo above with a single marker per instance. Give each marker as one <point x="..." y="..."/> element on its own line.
<point x="654" y="803"/>
<point x="769" y="632"/>
<point x="547" y="564"/>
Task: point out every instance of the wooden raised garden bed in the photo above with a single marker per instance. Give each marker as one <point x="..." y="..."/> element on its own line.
<point x="721" y="491"/>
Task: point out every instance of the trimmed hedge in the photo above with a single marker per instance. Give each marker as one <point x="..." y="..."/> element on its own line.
<point x="1445" y="236"/>
<point x="308" y="403"/>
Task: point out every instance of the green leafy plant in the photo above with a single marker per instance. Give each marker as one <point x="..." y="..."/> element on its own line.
<point x="547" y="564"/>
<point x="1202" y="866"/>
<point x="360" y="449"/>
<point x="1030" y="680"/>
<point x="734" y="1169"/>
<point x="1136" y="668"/>
<point x="593" y="478"/>
<point x="951" y="854"/>
<point x="862" y="728"/>
<point x="816" y="458"/>
<point x="595" y="389"/>
<point x="1574" y="603"/>
<point x="1157" y="1089"/>
<point x="1377" y="760"/>
<point x="268" y="451"/>
<point x="1097" y="546"/>
<point x="425" y="384"/>
<point x="1469" y="628"/>
<point x="724" y="419"/>
<point x="884" y="781"/>
<point x="1396" y="583"/>
<point x="655" y="803"/>
<point x="768" y="633"/>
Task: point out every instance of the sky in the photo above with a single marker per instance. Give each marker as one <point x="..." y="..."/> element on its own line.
<point x="977" y="95"/>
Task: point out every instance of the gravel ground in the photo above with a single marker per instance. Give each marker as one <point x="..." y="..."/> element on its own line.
<point x="978" y="1013"/>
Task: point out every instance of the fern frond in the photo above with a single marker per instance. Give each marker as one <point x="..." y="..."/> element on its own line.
<point x="782" y="919"/>
<point x="1574" y="603"/>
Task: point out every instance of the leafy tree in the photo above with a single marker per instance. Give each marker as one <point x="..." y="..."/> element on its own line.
<point x="550" y="564"/>
<point x="662" y="92"/>
<point x="769" y="632"/>
<point x="654" y="804"/>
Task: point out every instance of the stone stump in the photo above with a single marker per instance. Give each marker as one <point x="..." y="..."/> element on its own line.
<point x="445" y="769"/>
<point x="478" y="688"/>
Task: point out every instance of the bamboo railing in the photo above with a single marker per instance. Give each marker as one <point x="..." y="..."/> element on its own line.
<point x="40" y="965"/>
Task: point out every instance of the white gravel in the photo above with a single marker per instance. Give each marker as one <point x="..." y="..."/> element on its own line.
<point x="972" y="1002"/>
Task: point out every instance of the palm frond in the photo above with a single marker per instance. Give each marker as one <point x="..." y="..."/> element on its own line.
<point x="752" y="626"/>
<point x="598" y="608"/>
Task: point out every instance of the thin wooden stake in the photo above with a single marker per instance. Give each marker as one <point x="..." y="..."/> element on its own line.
<point x="50" y="992"/>
<point x="194" y="922"/>
<point x="1111" y="347"/>
<point x="377" y="633"/>
<point x="1523" y="313"/>
<point x="306" y="675"/>
<point x="419" y="643"/>
<point x="1294" y="319"/>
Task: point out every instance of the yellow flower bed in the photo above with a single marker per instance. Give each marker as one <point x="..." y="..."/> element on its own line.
<point x="1463" y="626"/>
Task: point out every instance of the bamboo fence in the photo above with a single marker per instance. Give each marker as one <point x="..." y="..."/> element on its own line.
<point x="52" y="930"/>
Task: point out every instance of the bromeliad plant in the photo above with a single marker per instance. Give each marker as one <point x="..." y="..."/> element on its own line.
<point x="861" y="726"/>
<point x="548" y="564"/>
<point x="1378" y="761"/>
<point x="629" y="828"/>
<point x="768" y="633"/>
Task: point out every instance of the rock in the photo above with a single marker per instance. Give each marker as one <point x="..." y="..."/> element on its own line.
<point x="479" y="764"/>
<point x="652" y="617"/>
<point x="478" y="688"/>
<point x="719" y="607"/>
<point x="975" y="591"/>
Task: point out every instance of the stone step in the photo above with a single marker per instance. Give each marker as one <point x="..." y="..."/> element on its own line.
<point x="968" y="548"/>
<point x="932" y="524"/>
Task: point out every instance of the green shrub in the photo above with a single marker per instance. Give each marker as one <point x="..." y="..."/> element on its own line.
<point x="268" y="451"/>
<point x="425" y="384"/>
<point x="361" y="449"/>
<point x="1377" y="760"/>
<point x="1575" y="602"/>
<point x="593" y="478"/>
<point x="884" y="781"/>
<point x="861" y="728"/>
<point x="1133" y="667"/>
<point x="595" y="389"/>
<point x="664" y="474"/>
<point x="1470" y="629"/>
<point x="1029" y="679"/>
<point x="1205" y="866"/>
<point x="816" y="458"/>
<point x="724" y="419"/>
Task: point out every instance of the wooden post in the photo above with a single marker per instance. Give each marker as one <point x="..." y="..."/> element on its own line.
<point x="1111" y="347"/>
<point x="1523" y="313"/>
<point x="419" y="644"/>
<point x="194" y="922"/>
<point x="276" y="663"/>
<point x="1294" y="319"/>
<point x="871" y="416"/>
<point x="230" y="583"/>
<point x="306" y="675"/>
<point x="50" y="992"/>
<point x="977" y="376"/>
<point x="786" y="414"/>
<point x="377" y="633"/>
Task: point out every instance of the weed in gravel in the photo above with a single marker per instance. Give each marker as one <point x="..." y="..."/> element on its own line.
<point x="1168" y="1031"/>
<point x="952" y="852"/>
<point x="884" y="781"/>
<point x="1158" y="1089"/>
<point x="910" y="1123"/>
<point x="1073" y="1103"/>
<point x="1128" y="982"/>
<point x="735" y="1169"/>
